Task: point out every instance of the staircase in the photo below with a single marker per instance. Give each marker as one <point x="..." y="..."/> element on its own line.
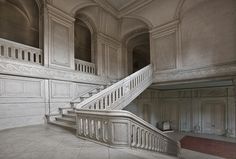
<point x="98" y="116"/>
<point x="66" y="116"/>
<point x="113" y="96"/>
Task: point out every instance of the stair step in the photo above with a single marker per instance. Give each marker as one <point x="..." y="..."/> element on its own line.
<point x="87" y="95"/>
<point x="73" y="116"/>
<point x="71" y="112"/>
<point x="63" y="108"/>
<point x="83" y="98"/>
<point x="63" y="124"/>
<point x="66" y="120"/>
<point x="92" y="93"/>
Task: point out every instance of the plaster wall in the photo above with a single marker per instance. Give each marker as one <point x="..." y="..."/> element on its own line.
<point x="185" y="108"/>
<point x="25" y="101"/>
<point x="201" y="35"/>
<point x="208" y="35"/>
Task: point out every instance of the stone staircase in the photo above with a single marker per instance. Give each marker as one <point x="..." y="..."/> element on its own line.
<point x="97" y="116"/>
<point x="67" y="117"/>
<point x="114" y="96"/>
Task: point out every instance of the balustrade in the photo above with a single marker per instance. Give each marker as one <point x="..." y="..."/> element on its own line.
<point x="85" y="67"/>
<point x="121" y="93"/>
<point x="21" y="52"/>
<point x="119" y="128"/>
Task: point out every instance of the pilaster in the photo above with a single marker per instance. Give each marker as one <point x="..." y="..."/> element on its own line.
<point x="108" y="56"/>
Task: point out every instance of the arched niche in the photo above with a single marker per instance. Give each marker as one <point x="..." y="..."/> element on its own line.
<point x="84" y="38"/>
<point x="135" y="39"/>
<point x="138" y="52"/>
<point x="20" y="21"/>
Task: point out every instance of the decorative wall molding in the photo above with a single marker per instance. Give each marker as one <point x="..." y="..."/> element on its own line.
<point x="108" y="56"/>
<point x="164" y="41"/>
<point x="19" y="69"/>
<point x="164" y="30"/>
<point x="227" y="70"/>
<point x="23" y="88"/>
<point x="58" y="38"/>
<point x="108" y="39"/>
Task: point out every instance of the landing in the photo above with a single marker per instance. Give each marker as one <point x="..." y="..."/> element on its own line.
<point x="51" y="142"/>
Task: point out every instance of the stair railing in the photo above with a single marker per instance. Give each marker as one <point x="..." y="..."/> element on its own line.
<point x="120" y="94"/>
<point x="119" y="128"/>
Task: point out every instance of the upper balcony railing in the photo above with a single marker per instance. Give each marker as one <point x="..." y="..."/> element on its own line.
<point x="17" y="51"/>
<point x="85" y="67"/>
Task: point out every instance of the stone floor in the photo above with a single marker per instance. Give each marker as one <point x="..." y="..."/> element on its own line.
<point x="51" y="142"/>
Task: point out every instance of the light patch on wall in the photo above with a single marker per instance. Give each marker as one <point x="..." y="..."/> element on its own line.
<point x="165" y="50"/>
<point x="60" y="48"/>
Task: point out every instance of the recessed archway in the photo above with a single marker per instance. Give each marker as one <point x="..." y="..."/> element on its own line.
<point x="20" y="22"/>
<point x="138" y="52"/>
<point x="85" y="33"/>
<point x="82" y="41"/>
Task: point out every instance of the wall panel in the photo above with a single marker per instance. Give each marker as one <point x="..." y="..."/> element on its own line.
<point x="185" y="108"/>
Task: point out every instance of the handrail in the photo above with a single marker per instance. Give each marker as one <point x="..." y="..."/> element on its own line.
<point x="17" y="51"/>
<point x="121" y="93"/>
<point x="121" y="128"/>
<point x="84" y="66"/>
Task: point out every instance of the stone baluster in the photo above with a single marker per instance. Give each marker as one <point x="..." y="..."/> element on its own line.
<point x="96" y="129"/>
<point x="133" y="136"/>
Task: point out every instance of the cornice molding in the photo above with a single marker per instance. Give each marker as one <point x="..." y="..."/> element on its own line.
<point x="220" y="71"/>
<point x="108" y="39"/>
<point x="164" y="29"/>
<point x="59" y="14"/>
<point x="11" y="67"/>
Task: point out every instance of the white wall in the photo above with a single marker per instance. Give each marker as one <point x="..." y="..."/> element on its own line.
<point x="25" y="101"/>
<point x="200" y="35"/>
<point x="208" y="33"/>
<point x="185" y="108"/>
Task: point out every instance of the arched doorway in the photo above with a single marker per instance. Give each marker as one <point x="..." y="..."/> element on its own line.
<point x="138" y="52"/>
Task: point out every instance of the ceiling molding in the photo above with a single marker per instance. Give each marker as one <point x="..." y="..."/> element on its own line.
<point x="125" y="9"/>
<point x="81" y="6"/>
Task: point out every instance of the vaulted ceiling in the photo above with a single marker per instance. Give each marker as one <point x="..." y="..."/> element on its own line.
<point x="122" y="7"/>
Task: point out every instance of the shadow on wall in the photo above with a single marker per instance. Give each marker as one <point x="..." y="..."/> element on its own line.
<point x="19" y="21"/>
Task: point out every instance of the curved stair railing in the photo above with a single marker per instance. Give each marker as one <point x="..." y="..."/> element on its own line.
<point x="119" y="128"/>
<point x="120" y="94"/>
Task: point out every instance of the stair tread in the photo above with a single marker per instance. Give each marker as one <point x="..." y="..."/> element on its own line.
<point x="65" y="108"/>
<point x="69" y="115"/>
<point x="71" y="112"/>
<point x="66" y="119"/>
<point x="63" y="124"/>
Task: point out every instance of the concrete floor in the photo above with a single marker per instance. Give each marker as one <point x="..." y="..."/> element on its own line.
<point x="51" y="142"/>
